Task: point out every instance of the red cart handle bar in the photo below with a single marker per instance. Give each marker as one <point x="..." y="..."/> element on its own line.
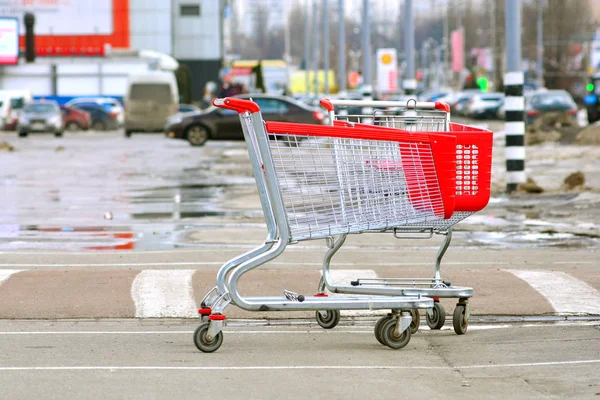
<point x="238" y="105"/>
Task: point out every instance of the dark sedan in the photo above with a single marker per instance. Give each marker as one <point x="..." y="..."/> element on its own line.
<point x="217" y="123"/>
<point x="557" y="102"/>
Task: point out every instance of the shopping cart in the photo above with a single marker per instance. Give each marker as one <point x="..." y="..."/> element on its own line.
<point x="308" y="192"/>
<point x="473" y="154"/>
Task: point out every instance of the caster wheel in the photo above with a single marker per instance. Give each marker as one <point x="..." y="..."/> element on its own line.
<point x="390" y="338"/>
<point x="378" y="326"/>
<point x="330" y="321"/>
<point x="204" y="345"/>
<point x="416" y="321"/>
<point x="459" y="319"/>
<point x="439" y="317"/>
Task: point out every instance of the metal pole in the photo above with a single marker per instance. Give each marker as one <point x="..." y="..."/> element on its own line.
<point x="410" y="83"/>
<point x="540" y="45"/>
<point x="366" y="43"/>
<point x="514" y="104"/>
<point x="307" y="47"/>
<point x="326" y="46"/>
<point x="342" y="49"/>
<point x="315" y="25"/>
<point x="493" y="40"/>
<point x="446" y="43"/>
<point x="425" y="77"/>
<point x="286" y="28"/>
<point x="437" y="56"/>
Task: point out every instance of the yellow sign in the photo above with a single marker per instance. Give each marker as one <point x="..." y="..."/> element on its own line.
<point x="386" y="58"/>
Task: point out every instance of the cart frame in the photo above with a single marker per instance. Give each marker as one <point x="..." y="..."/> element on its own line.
<point x="393" y="329"/>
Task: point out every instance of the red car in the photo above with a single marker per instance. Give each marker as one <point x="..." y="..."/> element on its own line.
<point x="75" y="119"/>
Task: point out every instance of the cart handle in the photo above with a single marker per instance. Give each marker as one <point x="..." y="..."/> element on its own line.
<point x="238" y="105"/>
<point x="329" y="104"/>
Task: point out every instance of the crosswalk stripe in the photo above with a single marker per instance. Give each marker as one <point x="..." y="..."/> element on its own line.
<point x="6" y="273"/>
<point x="164" y="293"/>
<point x="565" y="293"/>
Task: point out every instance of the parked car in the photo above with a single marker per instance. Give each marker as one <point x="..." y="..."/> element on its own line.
<point x="551" y="101"/>
<point x="151" y="99"/>
<point x="11" y="106"/>
<point x="433" y="94"/>
<point x="111" y="105"/>
<point x="41" y="116"/>
<point x="459" y="100"/>
<point x="101" y="119"/>
<point x="217" y="123"/>
<point x="76" y="119"/>
<point x="484" y="105"/>
<point x="185" y="108"/>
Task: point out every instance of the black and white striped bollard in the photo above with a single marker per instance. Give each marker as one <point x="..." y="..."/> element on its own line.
<point x="514" y="127"/>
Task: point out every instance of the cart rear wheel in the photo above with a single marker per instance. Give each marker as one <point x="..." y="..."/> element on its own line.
<point x="416" y="321"/>
<point x="391" y="338"/>
<point x="378" y="326"/>
<point x="202" y="343"/>
<point x="439" y="317"/>
<point x="330" y="321"/>
<point x="459" y="319"/>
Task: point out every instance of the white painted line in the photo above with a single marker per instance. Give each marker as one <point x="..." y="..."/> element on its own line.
<point x="514" y="128"/>
<point x="286" y="330"/>
<point x="564" y="292"/>
<point x="515" y="152"/>
<point x="344" y="277"/>
<point x="514" y="103"/>
<point x="514" y="78"/>
<point x="164" y="293"/>
<point x="298" y="367"/>
<point x="199" y="264"/>
<point x="6" y="273"/>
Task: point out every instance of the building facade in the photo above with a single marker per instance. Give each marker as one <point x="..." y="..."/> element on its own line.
<point x="85" y="31"/>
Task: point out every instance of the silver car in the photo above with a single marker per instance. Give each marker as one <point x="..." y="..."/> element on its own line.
<point x="41" y="116"/>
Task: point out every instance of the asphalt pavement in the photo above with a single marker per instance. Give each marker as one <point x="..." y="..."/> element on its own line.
<point x="157" y="360"/>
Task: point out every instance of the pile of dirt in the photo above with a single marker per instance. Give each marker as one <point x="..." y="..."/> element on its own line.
<point x="554" y="120"/>
<point x="552" y="127"/>
<point x="537" y="136"/>
<point x="4" y="146"/>
<point x="590" y="136"/>
<point x="530" y="187"/>
<point x="576" y="180"/>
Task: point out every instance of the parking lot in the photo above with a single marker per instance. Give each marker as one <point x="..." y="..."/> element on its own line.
<point x="108" y="245"/>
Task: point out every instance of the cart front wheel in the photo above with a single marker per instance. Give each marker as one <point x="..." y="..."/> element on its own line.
<point x="391" y="338"/>
<point x="436" y="321"/>
<point x="378" y="326"/>
<point x="202" y="343"/>
<point x="416" y="321"/>
<point x="330" y="320"/>
<point x="459" y="319"/>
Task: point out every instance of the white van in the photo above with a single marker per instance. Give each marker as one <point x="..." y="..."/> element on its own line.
<point x="11" y="105"/>
<point x="151" y="98"/>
